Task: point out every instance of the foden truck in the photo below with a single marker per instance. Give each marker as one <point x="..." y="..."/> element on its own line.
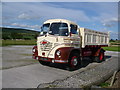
<point x="63" y="41"/>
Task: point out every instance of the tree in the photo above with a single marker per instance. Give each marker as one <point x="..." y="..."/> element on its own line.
<point x="111" y="40"/>
<point x="36" y="35"/>
<point x="15" y="35"/>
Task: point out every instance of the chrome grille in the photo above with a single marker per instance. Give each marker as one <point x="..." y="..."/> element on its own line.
<point x="46" y="47"/>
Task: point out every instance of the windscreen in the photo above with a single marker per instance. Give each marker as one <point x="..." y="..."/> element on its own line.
<point x="59" y="29"/>
<point x="45" y="29"/>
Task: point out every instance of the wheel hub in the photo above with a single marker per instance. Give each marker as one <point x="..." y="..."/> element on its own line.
<point x="74" y="61"/>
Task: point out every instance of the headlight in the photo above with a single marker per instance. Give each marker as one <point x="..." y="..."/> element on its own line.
<point x="33" y="50"/>
<point x="58" y="53"/>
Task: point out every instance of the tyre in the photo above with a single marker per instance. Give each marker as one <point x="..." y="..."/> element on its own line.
<point x="100" y="57"/>
<point x="74" y="61"/>
<point x="44" y="63"/>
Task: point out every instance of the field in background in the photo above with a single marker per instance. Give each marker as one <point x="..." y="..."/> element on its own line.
<point x="114" y="42"/>
<point x="17" y="33"/>
<point x="112" y="48"/>
<point x="17" y="36"/>
<point x="18" y="42"/>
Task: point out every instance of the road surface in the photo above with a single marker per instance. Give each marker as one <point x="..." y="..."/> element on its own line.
<point x="31" y="75"/>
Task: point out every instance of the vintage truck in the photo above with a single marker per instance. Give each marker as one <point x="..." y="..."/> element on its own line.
<point x="63" y="41"/>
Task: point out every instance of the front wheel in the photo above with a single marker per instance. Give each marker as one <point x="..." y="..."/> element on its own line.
<point x="74" y="61"/>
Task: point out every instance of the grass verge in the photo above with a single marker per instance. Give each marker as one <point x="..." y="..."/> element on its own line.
<point x="112" y="48"/>
<point x="103" y="85"/>
<point x="18" y="42"/>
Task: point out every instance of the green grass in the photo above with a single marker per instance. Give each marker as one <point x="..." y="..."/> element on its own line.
<point x="112" y="48"/>
<point x="104" y="84"/>
<point x="18" y="42"/>
<point x="115" y="42"/>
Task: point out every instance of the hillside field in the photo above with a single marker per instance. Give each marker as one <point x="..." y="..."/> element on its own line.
<point x="17" y="33"/>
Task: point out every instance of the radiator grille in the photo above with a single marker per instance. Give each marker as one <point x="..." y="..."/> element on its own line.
<point x="46" y="47"/>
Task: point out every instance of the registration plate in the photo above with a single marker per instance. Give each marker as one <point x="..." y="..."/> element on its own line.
<point x="43" y="58"/>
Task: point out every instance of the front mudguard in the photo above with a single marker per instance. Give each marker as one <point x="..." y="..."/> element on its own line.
<point x="35" y="53"/>
<point x="64" y="53"/>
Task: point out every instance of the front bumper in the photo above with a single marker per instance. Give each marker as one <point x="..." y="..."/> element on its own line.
<point x="49" y="59"/>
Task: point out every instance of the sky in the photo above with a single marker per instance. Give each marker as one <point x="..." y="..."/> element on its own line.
<point x="100" y="16"/>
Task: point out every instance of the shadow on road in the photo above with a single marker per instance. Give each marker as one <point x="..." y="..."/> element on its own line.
<point x="85" y="62"/>
<point x="107" y="57"/>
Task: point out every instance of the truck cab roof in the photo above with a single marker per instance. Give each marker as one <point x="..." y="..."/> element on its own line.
<point x="59" y="20"/>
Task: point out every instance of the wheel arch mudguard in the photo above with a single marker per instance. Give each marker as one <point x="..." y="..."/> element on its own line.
<point x="35" y="52"/>
<point x="98" y="51"/>
<point x="65" y="52"/>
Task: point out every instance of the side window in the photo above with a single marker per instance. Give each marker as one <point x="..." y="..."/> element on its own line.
<point x="73" y="29"/>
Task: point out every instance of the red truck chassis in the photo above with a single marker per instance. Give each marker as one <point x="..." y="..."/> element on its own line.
<point x="93" y="51"/>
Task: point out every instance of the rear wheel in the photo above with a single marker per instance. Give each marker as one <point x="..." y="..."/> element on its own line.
<point x="44" y="63"/>
<point x="100" y="57"/>
<point x="74" y="61"/>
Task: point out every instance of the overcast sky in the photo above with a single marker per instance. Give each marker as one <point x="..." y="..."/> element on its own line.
<point x="101" y="16"/>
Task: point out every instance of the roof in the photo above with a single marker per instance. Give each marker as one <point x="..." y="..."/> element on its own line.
<point x="59" y="20"/>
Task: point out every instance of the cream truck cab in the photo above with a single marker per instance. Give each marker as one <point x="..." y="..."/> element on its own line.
<point x="63" y="41"/>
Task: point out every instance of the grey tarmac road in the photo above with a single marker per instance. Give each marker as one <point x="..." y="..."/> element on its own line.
<point x="16" y="56"/>
<point x="31" y="76"/>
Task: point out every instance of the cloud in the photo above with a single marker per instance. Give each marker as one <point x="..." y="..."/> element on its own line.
<point x="14" y="24"/>
<point x="114" y="35"/>
<point x="24" y="16"/>
<point x="113" y="19"/>
<point x="98" y="16"/>
<point x="110" y="22"/>
<point x="24" y="25"/>
<point x="107" y="19"/>
<point x="42" y="11"/>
